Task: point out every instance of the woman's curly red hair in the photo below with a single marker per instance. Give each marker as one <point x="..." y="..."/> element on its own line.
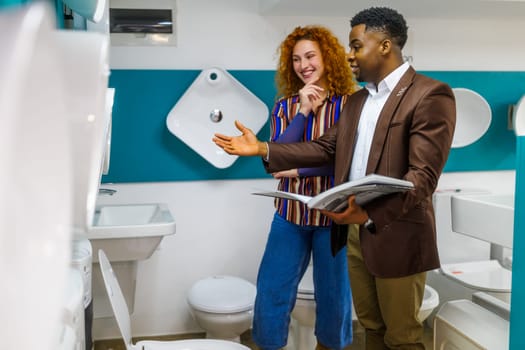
<point x="338" y="74"/>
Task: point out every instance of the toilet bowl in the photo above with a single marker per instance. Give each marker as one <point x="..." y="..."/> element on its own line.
<point x="301" y="335"/>
<point x="430" y="302"/>
<point x="223" y="306"/>
<point x="82" y="261"/>
<point x="73" y="309"/>
<point x="121" y="311"/>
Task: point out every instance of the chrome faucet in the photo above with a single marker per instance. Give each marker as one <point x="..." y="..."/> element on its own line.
<point x="106" y="191"/>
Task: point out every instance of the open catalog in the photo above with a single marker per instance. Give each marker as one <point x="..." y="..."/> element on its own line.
<point x="336" y="199"/>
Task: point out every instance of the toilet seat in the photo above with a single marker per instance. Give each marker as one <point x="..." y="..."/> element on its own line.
<point x="222" y="294"/>
<point x="486" y="275"/>
<point x="121" y="312"/>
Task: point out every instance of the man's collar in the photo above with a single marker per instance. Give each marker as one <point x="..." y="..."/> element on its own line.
<point x="390" y="81"/>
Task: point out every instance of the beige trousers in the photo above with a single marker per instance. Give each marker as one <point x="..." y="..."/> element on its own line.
<point x="387" y="308"/>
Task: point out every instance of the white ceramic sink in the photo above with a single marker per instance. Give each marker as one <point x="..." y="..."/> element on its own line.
<point x="211" y="105"/>
<point x="489" y="217"/>
<point x="473" y="117"/>
<point x="129" y="232"/>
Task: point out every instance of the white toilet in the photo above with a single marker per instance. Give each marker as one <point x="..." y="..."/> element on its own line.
<point x="121" y="311"/>
<point x="301" y="335"/>
<point x="466" y="267"/>
<point x="430" y="302"/>
<point x="223" y="306"/>
<point x="73" y="309"/>
<point x="303" y="315"/>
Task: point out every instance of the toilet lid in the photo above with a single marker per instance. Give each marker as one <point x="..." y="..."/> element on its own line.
<point x="487" y="275"/>
<point x="222" y="294"/>
<point x="306" y="286"/>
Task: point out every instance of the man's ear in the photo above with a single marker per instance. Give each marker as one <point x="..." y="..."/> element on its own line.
<point x="385" y="46"/>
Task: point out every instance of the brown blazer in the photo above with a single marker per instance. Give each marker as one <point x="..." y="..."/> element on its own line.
<point x="412" y="142"/>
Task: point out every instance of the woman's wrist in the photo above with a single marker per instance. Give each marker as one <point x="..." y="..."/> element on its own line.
<point x="305" y="112"/>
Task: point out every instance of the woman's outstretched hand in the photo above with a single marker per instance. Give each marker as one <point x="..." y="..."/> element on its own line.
<point x="246" y="144"/>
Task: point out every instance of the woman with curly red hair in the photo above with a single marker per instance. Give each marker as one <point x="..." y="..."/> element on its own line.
<point x="314" y="79"/>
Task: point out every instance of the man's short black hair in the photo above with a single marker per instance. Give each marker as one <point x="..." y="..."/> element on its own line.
<point x="383" y="19"/>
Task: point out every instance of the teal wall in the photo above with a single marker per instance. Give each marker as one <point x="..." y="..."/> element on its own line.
<point x="143" y="150"/>
<point x="517" y="315"/>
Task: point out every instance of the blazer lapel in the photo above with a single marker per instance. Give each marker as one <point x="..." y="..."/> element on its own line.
<point x="385" y="117"/>
<point x="347" y="133"/>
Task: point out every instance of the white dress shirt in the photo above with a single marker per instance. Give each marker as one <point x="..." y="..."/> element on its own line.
<point x="377" y="96"/>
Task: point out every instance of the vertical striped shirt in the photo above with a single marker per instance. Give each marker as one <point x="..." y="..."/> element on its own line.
<point x="327" y="115"/>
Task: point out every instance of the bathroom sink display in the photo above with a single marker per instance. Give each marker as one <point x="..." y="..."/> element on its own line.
<point x="211" y="105"/>
<point x="473" y="117"/>
<point x="130" y="231"/>
<point x="489" y="217"/>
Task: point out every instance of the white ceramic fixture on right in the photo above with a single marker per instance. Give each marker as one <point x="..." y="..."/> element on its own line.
<point x="473" y="117"/>
<point x="488" y="217"/>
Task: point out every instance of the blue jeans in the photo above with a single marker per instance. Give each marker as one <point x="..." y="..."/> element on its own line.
<point x="284" y="262"/>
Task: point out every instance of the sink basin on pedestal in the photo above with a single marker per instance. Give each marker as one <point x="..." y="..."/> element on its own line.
<point x="129" y="231"/>
<point x="489" y="217"/>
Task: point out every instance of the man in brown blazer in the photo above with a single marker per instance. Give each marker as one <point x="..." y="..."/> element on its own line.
<point x="401" y="125"/>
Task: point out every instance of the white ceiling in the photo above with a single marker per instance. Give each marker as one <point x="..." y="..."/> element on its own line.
<point x="444" y="9"/>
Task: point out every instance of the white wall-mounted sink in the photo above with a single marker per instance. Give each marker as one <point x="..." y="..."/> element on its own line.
<point x="211" y="105"/>
<point x="127" y="233"/>
<point x="489" y="217"/>
<point x="130" y="231"/>
<point x="473" y="117"/>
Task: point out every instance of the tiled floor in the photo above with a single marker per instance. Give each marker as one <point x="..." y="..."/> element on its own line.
<point x="246" y="339"/>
